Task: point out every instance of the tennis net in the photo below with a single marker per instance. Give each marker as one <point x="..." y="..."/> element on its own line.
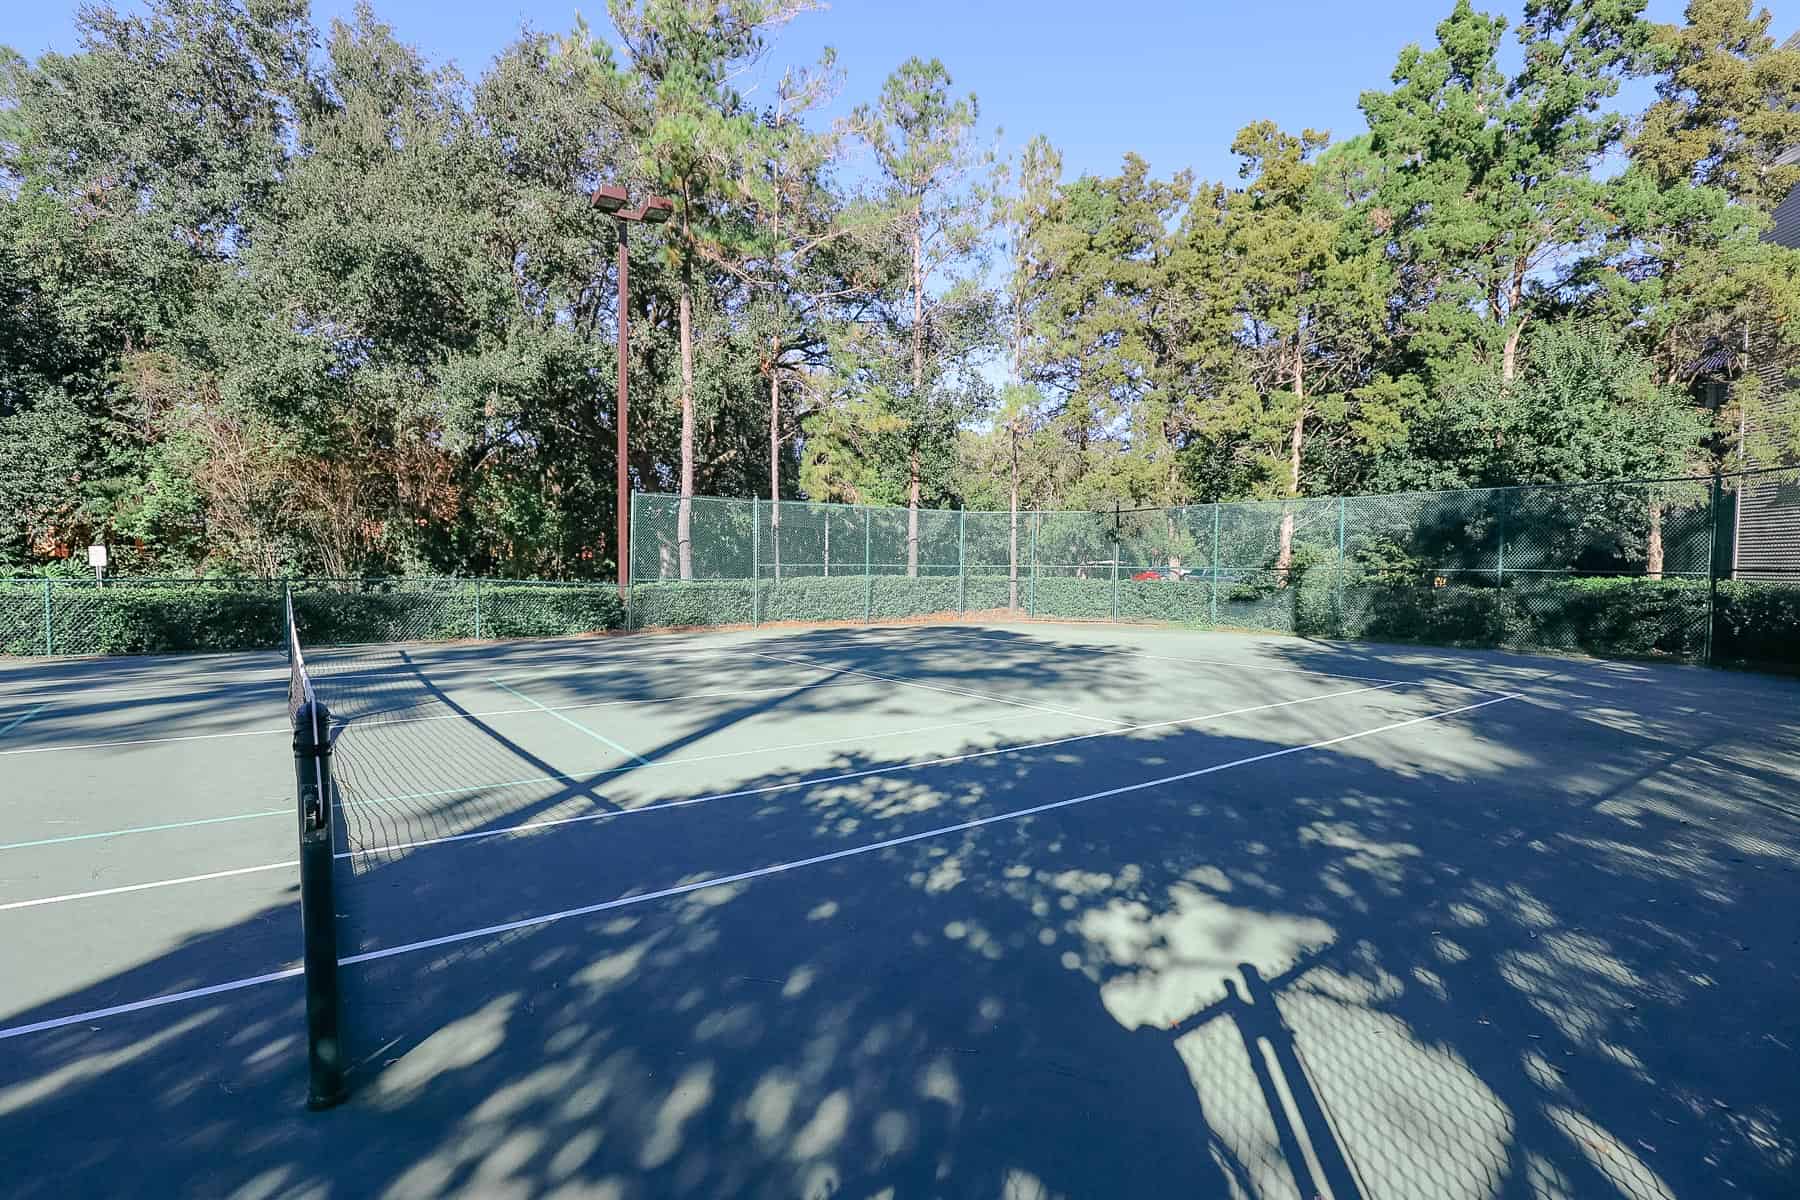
<point x="311" y="721"/>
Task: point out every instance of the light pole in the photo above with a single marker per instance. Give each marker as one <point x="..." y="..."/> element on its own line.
<point x="611" y="201"/>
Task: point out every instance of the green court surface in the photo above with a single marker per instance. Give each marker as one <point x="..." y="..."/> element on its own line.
<point x="1008" y="911"/>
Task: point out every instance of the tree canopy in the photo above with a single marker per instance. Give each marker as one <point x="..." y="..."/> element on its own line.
<point x="277" y="299"/>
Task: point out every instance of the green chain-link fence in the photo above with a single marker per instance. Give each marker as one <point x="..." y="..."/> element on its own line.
<point x="1688" y="569"/>
<point x="144" y="616"/>
<point x="1642" y="568"/>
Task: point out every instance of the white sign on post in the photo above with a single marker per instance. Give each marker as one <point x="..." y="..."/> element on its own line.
<point x="96" y="556"/>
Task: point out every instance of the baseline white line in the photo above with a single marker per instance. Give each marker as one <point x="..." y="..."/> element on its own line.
<point x="935" y="687"/>
<point x="1243" y="666"/>
<point x="891" y="768"/>
<point x="741" y="876"/>
<point x="351" y="722"/>
<point x="97" y="1014"/>
<point x="144" y="887"/>
<point x="365" y="718"/>
<point x="166" y="692"/>
<point x="188" y="737"/>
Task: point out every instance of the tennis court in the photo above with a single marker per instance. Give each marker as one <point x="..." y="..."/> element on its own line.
<point x="1007" y="910"/>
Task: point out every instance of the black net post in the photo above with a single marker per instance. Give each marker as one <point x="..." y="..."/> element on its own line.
<point x="318" y="917"/>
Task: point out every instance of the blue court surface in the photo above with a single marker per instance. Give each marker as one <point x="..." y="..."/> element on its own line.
<point x="1012" y="910"/>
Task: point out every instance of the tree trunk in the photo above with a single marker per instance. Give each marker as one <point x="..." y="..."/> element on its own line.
<point x="918" y="364"/>
<point x="775" y="465"/>
<point x="1509" y="357"/>
<point x="1012" y="556"/>
<point x="1284" y="557"/>
<point x="684" y="517"/>
<point x="1654" y="552"/>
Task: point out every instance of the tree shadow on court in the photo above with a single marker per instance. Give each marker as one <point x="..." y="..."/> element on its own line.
<point x="1494" y="955"/>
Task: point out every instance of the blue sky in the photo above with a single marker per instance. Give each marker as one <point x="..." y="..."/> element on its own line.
<point x="1173" y="81"/>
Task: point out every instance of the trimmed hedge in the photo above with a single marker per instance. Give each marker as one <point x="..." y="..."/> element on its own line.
<point x="138" y="620"/>
<point x="164" y="618"/>
<point x="1755" y="623"/>
<point x="1620" y="617"/>
<point x="1758" y="624"/>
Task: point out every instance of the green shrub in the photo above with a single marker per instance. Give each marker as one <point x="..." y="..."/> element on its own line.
<point x="129" y="617"/>
<point x="1619" y="617"/>
<point x="1073" y="598"/>
<point x="1758" y="624"/>
<point x="694" y="602"/>
<point x="1625" y="617"/>
<point x="1446" y="616"/>
<point x="511" y="610"/>
<point x="348" y="618"/>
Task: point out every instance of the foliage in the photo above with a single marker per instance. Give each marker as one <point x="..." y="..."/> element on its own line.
<point x="277" y="299"/>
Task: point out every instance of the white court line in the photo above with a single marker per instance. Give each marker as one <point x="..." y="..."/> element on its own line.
<point x="235" y="985"/>
<point x="571" y="723"/>
<point x="162" y="691"/>
<point x="1249" y="666"/>
<point x="689" y="801"/>
<point x="351" y="722"/>
<point x="739" y="877"/>
<point x="935" y="687"/>
<point x="144" y="887"/>
<point x="365" y="718"/>
<point x="891" y="768"/>
<point x="589" y="774"/>
<point x="584" y="775"/>
<point x="22" y="718"/>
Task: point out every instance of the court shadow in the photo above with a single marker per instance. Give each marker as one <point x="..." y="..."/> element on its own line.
<point x="1460" y="960"/>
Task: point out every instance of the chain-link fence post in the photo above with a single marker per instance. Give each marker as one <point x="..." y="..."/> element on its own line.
<point x="1031" y="581"/>
<point x="868" y="573"/>
<point x="629" y="550"/>
<point x="1338" y="591"/>
<point x="1214" y="598"/>
<point x="962" y="562"/>
<point x="478" y="610"/>
<point x="1714" y="501"/>
<point x="1115" y="563"/>
<point x="49" y="637"/>
<point x="1500" y="563"/>
<point x="755" y="560"/>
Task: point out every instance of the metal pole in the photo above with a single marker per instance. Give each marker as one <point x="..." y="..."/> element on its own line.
<point x="630" y="555"/>
<point x="1500" y="570"/>
<point x="49" y="637"/>
<point x="478" y="610"/>
<point x="1031" y="583"/>
<point x="868" y="578"/>
<point x="621" y="497"/>
<point x="1215" y="564"/>
<point x="1340" y="569"/>
<point x="962" y="561"/>
<point x="755" y="561"/>
<point x="1712" y="566"/>
<point x="1115" y="565"/>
